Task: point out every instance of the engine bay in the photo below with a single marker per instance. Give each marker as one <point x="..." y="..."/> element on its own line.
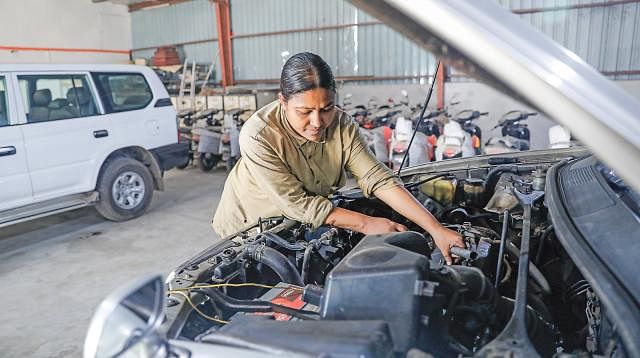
<point x="283" y="287"/>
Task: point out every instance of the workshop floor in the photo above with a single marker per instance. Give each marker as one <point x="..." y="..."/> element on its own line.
<point x="55" y="271"/>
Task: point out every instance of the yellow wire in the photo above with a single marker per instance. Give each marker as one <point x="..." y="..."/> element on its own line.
<point x="186" y="296"/>
<point x="230" y="285"/>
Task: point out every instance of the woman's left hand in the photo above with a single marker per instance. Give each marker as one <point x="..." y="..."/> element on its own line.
<point x="445" y="239"/>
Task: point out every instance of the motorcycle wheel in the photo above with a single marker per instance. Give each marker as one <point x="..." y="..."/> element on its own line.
<point x="208" y="161"/>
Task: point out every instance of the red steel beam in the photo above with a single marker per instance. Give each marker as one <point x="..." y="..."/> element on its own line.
<point x="621" y="73"/>
<point x="340" y="78"/>
<point x="306" y="29"/>
<point x="214" y="39"/>
<point x="224" y="42"/>
<point x="63" y="49"/>
<point x="440" y="78"/>
<point x="574" y="7"/>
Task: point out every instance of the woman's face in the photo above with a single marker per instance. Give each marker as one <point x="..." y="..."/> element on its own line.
<point x="310" y="112"/>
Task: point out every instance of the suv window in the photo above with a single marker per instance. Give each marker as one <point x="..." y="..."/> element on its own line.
<point x="4" y="112"/>
<point x="123" y="91"/>
<point x="54" y="97"/>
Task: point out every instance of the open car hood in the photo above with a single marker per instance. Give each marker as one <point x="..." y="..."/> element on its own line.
<point x="489" y="43"/>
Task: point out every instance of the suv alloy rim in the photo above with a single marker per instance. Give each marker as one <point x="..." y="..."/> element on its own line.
<point x="128" y="190"/>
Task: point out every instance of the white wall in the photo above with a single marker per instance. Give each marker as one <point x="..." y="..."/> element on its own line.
<point x="78" y="24"/>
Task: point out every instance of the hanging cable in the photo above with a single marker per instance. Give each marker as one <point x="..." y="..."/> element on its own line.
<point x="424" y="108"/>
<point x="188" y="299"/>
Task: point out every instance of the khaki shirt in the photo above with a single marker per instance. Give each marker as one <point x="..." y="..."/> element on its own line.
<point x="282" y="173"/>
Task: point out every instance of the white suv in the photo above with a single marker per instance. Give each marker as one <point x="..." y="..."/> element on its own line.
<point x="77" y="135"/>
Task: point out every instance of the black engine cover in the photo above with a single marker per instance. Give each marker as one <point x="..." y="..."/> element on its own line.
<point x="381" y="279"/>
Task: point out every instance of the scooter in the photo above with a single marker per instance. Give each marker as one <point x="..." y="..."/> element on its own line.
<point x="466" y="118"/>
<point x="230" y="144"/>
<point x="209" y="138"/>
<point x="379" y="131"/>
<point x="421" y="149"/>
<point x="560" y="137"/>
<point x="455" y="141"/>
<point x="186" y="119"/>
<point x="515" y="136"/>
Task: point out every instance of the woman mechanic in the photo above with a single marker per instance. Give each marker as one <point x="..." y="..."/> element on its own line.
<point x="294" y="154"/>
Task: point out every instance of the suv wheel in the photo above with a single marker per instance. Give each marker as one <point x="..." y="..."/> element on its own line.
<point x="126" y="189"/>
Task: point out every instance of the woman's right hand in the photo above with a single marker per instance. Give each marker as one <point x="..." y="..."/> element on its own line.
<point x="375" y="225"/>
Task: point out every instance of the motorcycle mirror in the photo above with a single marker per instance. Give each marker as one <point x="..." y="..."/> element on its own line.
<point x="127" y="319"/>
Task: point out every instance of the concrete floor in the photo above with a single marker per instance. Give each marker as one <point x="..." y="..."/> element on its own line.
<point x="55" y="271"/>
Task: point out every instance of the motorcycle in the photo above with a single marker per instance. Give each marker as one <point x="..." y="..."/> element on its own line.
<point x="209" y="132"/>
<point x="460" y="137"/>
<point x="515" y="136"/>
<point x="230" y="144"/>
<point x="186" y="119"/>
<point x="378" y="131"/>
<point x="560" y="137"/>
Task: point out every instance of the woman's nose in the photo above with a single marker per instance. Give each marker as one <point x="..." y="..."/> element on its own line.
<point x="315" y="120"/>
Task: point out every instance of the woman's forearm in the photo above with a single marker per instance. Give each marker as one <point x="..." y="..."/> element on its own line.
<point x="400" y="200"/>
<point x="346" y="219"/>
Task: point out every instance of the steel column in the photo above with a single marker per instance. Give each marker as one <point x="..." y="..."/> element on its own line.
<point x="224" y="42"/>
<point x="440" y="78"/>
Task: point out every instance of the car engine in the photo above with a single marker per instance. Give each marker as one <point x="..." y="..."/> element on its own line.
<point x="282" y="287"/>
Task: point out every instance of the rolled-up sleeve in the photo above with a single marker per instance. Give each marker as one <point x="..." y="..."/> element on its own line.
<point x="282" y="187"/>
<point x="362" y="163"/>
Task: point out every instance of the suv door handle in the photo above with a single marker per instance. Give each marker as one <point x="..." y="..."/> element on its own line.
<point x="101" y="133"/>
<point x="5" y="151"/>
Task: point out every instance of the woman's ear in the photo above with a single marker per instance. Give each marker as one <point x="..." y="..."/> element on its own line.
<point x="282" y="100"/>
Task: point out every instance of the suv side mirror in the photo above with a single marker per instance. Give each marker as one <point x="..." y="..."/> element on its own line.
<point x="127" y="319"/>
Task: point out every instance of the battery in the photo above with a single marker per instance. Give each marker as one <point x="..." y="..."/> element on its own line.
<point x="286" y="295"/>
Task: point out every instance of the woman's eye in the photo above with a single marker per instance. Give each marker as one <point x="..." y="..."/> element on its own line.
<point x="304" y="113"/>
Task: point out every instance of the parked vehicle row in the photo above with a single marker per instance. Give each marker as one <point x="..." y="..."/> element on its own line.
<point x="73" y="135"/>
<point x="440" y="134"/>
<point x="213" y="136"/>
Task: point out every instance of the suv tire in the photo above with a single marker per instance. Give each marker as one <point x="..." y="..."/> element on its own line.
<point x="126" y="189"/>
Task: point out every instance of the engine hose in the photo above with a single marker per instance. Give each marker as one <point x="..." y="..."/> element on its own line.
<point x="494" y="174"/>
<point x="535" y="273"/>
<point x="466" y="282"/>
<point x="305" y="260"/>
<point x="277" y="262"/>
<point x="503" y="241"/>
<point x="477" y="285"/>
<point x="543" y="238"/>
<point x="541" y="333"/>
<point x="278" y="240"/>
<point x="235" y="304"/>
